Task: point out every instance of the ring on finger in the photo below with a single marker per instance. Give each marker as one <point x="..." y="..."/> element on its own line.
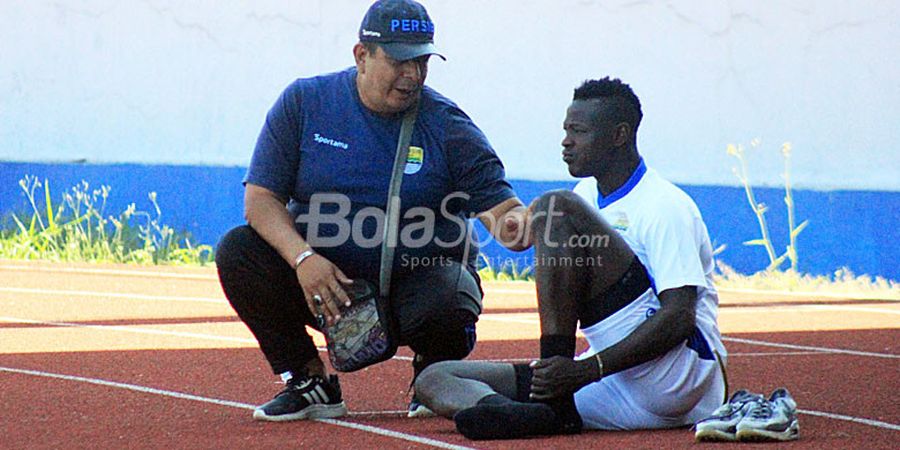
<point x="317" y="299"/>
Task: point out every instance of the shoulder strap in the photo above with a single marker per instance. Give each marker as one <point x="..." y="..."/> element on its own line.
<point x="392" y="213"/>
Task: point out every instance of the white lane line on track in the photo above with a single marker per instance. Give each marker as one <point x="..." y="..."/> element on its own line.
<point x="732" y="355"/>
<point x="736" y="309"/>
<point x="371" y="429"/>
<point x="531" y="318"/>
<point x="738" y="340"/>
<point x="860" y="295"/>
<point x="138" y="330"/>
<point x="874" y="423"/>
<point x="492" y="290"/>
<point x="850" y="308"/>
<point x="387" y="412"/>
<point x="493" y="317"/>
<point x="394" y="434"/>
<point x="131" y="329"/>
<point x="118" y="272"/>
<point x="524" y="290"/>
<point x="806" y="309"/>
<point x="809" y="348"/>
<point x="215" y="401"/>
<point x="112" y="295"/>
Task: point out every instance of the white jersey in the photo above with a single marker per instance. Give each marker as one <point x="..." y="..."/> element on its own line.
<point x="664" y="229"/>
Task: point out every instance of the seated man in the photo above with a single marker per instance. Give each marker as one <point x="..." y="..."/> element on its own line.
<point x="627" y="257"/>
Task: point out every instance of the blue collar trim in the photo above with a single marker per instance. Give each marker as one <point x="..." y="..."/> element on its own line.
<point x="623" y="190"/>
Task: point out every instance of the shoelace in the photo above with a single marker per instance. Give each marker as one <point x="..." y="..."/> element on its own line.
<point x="739" y="403"/>
<point x="763" y="410"/>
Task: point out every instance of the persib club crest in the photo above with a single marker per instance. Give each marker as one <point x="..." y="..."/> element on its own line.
<point x="621" y="222"/>
<point x="414" y="160"/>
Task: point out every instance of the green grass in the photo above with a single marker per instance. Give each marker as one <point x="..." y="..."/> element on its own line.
<point x="508" y="272"/>
<point x="77" y="228"/>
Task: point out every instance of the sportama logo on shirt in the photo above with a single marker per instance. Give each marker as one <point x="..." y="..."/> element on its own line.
<point x="328" y="141"/>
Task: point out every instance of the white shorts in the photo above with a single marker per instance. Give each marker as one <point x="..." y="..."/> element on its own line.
<point x="677" y="389"/>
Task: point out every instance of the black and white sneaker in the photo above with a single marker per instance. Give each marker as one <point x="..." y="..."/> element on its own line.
<point x="305" y="397"/>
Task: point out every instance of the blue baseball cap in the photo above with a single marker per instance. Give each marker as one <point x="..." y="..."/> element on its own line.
<point x="401" y="27"/>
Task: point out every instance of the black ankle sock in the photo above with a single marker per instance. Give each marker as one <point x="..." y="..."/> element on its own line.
<point x="566" y="412"/>
<point x="507" y="420"/>
<point x="495" y="399"/>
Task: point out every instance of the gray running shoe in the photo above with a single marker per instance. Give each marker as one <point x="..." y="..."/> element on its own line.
<point x="771" y="420"/>
<point x="722" y="424"/>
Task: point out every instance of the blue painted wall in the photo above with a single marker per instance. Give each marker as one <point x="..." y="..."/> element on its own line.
<point x="856" y="229"/>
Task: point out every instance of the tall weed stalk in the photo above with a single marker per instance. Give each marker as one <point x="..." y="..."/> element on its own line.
<point x="759" y="209"/>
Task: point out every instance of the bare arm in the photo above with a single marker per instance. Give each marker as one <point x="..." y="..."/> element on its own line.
<point x="670" y="326"/>
<point x="508" y="222"/>
<point x="265" y="212"/>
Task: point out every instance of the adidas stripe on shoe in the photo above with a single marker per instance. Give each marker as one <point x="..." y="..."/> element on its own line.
<point x="305" y="397"/>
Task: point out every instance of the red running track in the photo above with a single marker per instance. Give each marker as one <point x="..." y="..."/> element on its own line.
<point x="56" y="393"/>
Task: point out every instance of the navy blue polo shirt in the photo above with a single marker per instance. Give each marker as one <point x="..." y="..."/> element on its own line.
<point x="332" y="157"/>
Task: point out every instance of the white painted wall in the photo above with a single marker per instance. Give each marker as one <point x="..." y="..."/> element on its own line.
<point x="189" y="82"/>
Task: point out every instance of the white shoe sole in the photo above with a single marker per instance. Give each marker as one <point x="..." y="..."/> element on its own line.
<point x="310" y="412"/>
<point x="758" y="434"/>
<point x="714" y="435"/>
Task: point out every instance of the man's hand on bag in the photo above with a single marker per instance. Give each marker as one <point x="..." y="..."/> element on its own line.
<point x="322" y="281"/>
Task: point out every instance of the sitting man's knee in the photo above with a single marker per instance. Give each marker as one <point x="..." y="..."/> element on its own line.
<point x="432" y="377"/>
<point x="556" y="201"/>
<point x="551" y="208"/>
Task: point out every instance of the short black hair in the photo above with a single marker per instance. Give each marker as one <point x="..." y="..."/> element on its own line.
<point x="623" y="103"/>
<point x="371" y="47"/>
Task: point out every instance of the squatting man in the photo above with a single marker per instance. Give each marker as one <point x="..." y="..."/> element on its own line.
<point x="337" y="133"/>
